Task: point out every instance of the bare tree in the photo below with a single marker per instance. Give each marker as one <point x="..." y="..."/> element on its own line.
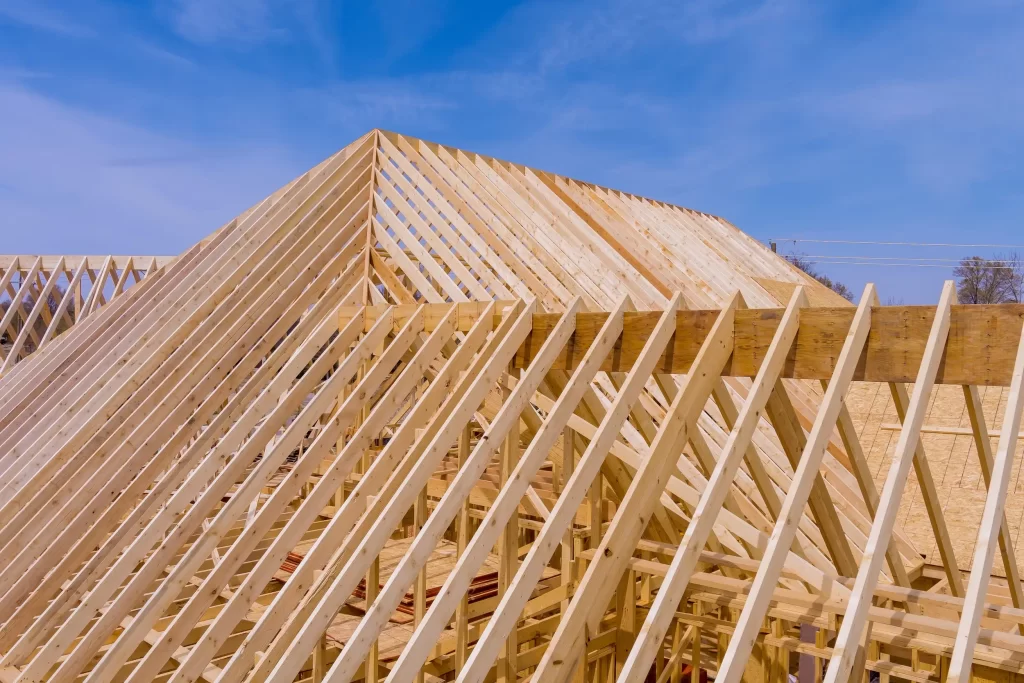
<point x="808" y="266"/>
<point x="1014" y="267"/>
<point x="983" y="281"/>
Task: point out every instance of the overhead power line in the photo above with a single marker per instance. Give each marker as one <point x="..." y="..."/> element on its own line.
<point x="891" y="258"/>
<point x="901" y="244"/>
<point x="904" y="265"/>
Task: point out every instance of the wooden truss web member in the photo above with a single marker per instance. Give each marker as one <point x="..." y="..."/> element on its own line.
<point x="848" y="642"/>
<point x="294" y="643"/>
<point x="218" y="580"/>
<point x="508" y="417"/>
<point x="507" y="613"/>
<point x="993" y="524"/>
<point x="17" y="307"/>
<point x="396" y="459"/>
<point x="29" y="323"/>
<point x="752" y="617"/>
<point x="506" y="502"/>
<point x="590" y="602"/>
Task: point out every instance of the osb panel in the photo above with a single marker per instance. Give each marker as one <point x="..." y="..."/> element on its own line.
<point x="953" y="459"/>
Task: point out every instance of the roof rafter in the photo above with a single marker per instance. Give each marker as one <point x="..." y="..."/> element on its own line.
<point x="424" y="414"/>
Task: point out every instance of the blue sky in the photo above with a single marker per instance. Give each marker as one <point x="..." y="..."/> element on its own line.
<point x="141" y="127"/>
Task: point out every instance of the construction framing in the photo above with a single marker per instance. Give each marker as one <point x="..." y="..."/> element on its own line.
<point x="42" y="296"/>
<point x="427" y="415"/>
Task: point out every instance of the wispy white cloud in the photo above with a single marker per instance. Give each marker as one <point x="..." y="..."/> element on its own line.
<point x="227" y="21"/>
<point x="251" y="24"/>
<point x="94" y="182"/>
<point x="39" y="16"/>
<point x="381" y="103"/>
<point x="156" y="52"/>
<point x="815" y="116"/>
<point x="609" y="29"/>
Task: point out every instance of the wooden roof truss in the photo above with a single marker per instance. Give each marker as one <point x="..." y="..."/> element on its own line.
<point x="426" y="415"/>
<point x="42" y="296"/>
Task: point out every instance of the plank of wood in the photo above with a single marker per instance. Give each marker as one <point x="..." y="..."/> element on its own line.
<point x="448" y="508"/>
<point x="992" y="521"/>
<point x="978" y="351"/>
<point x="983" y="444"/>
<point x="807" y="472"/>
<point x="507" y="501"/>
<point x="658" y="620"/>
<point x="631" y="518"/>
<point x="848" y="641"/>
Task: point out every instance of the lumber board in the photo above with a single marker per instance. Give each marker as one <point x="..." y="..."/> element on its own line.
<point x="292" y="450"/>
<point x="979" y="351"/>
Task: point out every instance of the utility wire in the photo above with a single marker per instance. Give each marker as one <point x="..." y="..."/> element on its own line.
<point x="901" y="244"/>
<point x="890" y="258"/>
<point x="905" y="265"/>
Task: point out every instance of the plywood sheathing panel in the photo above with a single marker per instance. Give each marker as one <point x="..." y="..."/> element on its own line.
<point x="953" y="458"/>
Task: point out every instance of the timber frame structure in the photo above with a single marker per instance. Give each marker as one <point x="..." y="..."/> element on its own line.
<point x="427" y="415"/>
<point x="42" y="296"/>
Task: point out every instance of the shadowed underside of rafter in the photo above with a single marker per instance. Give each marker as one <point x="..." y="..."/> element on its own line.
<point x="403" y="418"/>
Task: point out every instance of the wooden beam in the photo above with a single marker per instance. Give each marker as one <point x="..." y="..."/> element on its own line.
<point x="506" y="503"/>
<point x="979" y="349"/>
<point x="50" y="262"/>
<point x="983" y="444"/>
<point x="658" y="621"/>
<point x="28" y="324"/>
<point x="807" y="473"/>
<point x="992" y="521"/>
<point x="631" y="518"/>
<point x="848" y="642"/>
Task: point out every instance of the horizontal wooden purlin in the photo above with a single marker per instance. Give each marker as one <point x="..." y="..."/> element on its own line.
<point x="980" y="350"/>
<point x="49" y="262"/>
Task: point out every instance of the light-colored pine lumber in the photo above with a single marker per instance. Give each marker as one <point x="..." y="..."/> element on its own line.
<point x="577" y="434"/>
<point x="992" y="525"/>
<point x="848" y="641"/>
